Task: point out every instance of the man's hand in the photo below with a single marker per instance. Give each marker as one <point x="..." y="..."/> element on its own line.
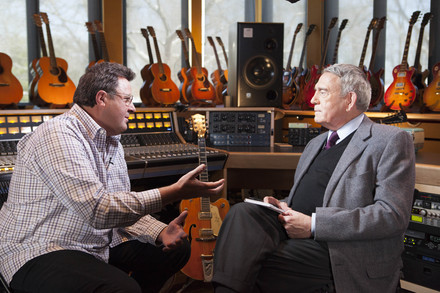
<point x="188" y="186"/>
<point x="173" y="235"/>
<point x="297" y="225"/>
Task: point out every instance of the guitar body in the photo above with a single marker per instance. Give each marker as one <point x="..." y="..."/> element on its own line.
<point x="35" y="77"/>
<point x="11" y="90"/>
<point x="431" y="96"/>
<point x="183" y="85"/>
<point x="290" y="88"/>
<point x="55" y="88"/>
<point x="219" y="87"/>
<point x="145" y="90"/>
<point x="202" y="242"/>
<point x="163" y="88"/>
<point x="200" y="89"/>
<point x="402" y="92"/>
<point x="309" y="89"/>
<point x="377" y="86"/>
<point x="418" y="79"/>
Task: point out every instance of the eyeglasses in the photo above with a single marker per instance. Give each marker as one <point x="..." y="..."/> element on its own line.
<point x="127" y="99"/>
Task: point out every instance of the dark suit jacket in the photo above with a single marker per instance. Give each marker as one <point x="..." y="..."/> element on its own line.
<point x="366" y="206"/>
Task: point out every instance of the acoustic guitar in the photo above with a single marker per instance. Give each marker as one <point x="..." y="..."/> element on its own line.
<point x="33" y="65"/>
<point x="182" y="73"/>
<point x="11" y="90"/>
<point x="419" y="77"/>
<point x="376" y="77"/>
<point x="402" y="92"/>
<point x="164" y="90"/>
<point x="91" y="30"/>
<point x="54" y="87"/>
<point x="290" y="87"/>
<point x="200" y="91"/>
<point x="338" y="39"/>
<point x="431" y="96"/>
<point x="217" y="76"/>
<point x="147" y="76"/>
<point x="225" y="72"/>
<point x="204" y="218"/>
<point x="315" y="71"/>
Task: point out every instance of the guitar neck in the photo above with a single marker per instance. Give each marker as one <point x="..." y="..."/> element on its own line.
<point x="104" y="46"/>
<point x="53" y="60"/>
<point x="335" y="53"/>
<point x="150" y="52"/>
<point x="95" y="47"/>
<point x="211" y="41"/>
<point x="42" y="42"/>
<point x="203" y="158"/>
<point x="185" y="54"/>
<point x="364" y="48"/>
<point x="159" y="59"/>
<point x="289" y="60"/>
<point x="417" y="65"/>
<point x="196" y="57"/>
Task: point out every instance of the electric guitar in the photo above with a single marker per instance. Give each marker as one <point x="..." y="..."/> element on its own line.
<point x="217" y="76"/>
<point x="431" y="96"/>
<point x="11" y="90"/>
<point x="163" y="88"/>
<point x="147" y="76"/>
<point x="402" y="92"/>
<point x="419" y="77"/>
<point x="373" y="22"/>
<point x="301" y="72"/>
<point x="200" y="90"/>
<point x="54" y="87"/>
<point x="376" y="78"/>
<point x="290" y="87"/>
<point x="204" y="218"/>
<point x="182" y="73"/>
<point x="338" y="39"/>
<point x="33" y="65"/>
<point x="91" y="30"/>
<point x="315" y="71"/>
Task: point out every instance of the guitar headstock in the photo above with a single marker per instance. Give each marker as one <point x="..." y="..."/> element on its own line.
<point x="332" y="23"/>
<point x="199" y="124"/>
<point x="180" y="35"/>
<point x="343" y="24"/>
<point x="144" y="33"/>
<point x="98" y="26"/>
<point x="151" y="31"/>
<point x="373" y="23"/>
<point x="211" y="41"/>
<point x="188" y="33"/>
<point x="219" y="41"/>
<point x="426" y="18"/>
<point x="298" y="28"/>
<point x="44" y="17"/>
<point x="90" y="28"/>
<point x="310" y="30"/>
<point x="380" y="24"/>
<point x="414" y="17"/>
<point x="37" y="20"/>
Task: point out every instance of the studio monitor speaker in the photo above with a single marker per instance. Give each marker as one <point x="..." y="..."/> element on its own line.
<point x="255" y="64"/>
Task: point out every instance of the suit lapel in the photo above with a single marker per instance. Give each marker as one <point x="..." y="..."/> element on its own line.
<point x="356" y="146"/>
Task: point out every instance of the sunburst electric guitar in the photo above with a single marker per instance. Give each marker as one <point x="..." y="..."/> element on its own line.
<point x="204" y="218"/>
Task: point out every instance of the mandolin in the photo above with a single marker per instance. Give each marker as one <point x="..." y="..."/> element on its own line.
<point x="204" y="218"/>
<point x="33" y="65"/>
<point x="338" y="39"/>
<point x="225" y="72"/>
<point x="182" y="73"/>
<point x="376" y="78"/>
<point x="402" y="92"/>
<point x="147" y="76"/>
<point x="301" y="72"/>
<point x="200" y="90"/>
<point x="419" y="77"/>
<point x="54" y="87"/>
<point x="431" y="95"/>
<point x="11" y="90"/>
<point x="91" y="30"/>
<point x="163" y="89"/>
<point x="217" y="76"/>
<point x="290" y="87"/>
<point x="315" y="71"/>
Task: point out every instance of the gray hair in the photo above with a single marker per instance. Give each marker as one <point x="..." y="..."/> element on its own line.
<point x="353" y="79"/>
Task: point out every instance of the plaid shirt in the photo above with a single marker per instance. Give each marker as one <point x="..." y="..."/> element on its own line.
<point x="70" y="190"/>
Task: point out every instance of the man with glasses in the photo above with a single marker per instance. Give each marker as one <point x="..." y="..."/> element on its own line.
<point x="71" y="223"/>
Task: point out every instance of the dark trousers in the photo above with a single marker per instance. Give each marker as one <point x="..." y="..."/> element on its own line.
<point x="254" y="254"/>
<point x="133" y="267"/>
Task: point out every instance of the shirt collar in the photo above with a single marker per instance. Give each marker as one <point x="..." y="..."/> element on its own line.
<point x="348" y="128"/>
